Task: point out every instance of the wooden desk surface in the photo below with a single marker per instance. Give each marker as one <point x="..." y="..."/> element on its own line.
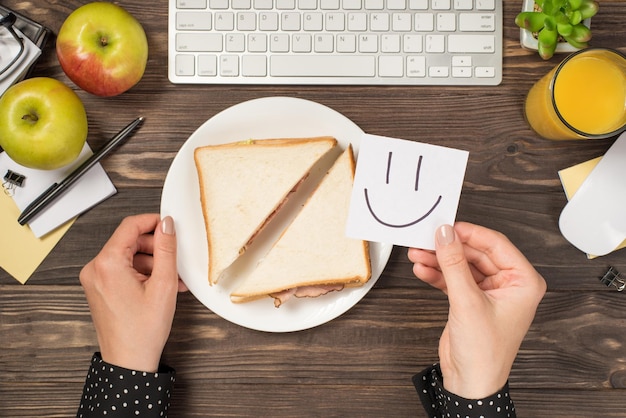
<point x="571" y="364"/>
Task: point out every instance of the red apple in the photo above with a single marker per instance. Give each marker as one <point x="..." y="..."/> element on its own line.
<point x="102" y="48"/>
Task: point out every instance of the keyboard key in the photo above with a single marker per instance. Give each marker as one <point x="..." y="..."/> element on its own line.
<point x="254" y="66"/>
<point x="324" y="42"/>
<point x="301" y="42"/>
<point x="279" y="42"/>
<point x="346" y="43"/>
<point x="418" y="4"/>
<point x="463" y="4"/>
<point x="285" y="4"/>
<point x="441" y="4"/>
<point x="335" y="22"/>
<point x="185" y="65"/>
<point x="413" y="43"/>
<point x="329" y="4"/>
<point x="313" y="22"/>
<point x="462" y="61"/>
<point x="351" y="4"/>
<point x="263" y="4"/>
<point x="472" y="43"/>
<point x="257" y="42"/>
<point x="368" y="43"/>
<point x="357" y="22"/>
<point x="396" y="4"/>
<point x="193" y="21"/>
<point x="322" y="66"/>
<point x="438" y="71"/>
<point x="374" y="4"/>
<point x="241" y="4"/>
<point x="290" y="21"/>
<point x="485" y="72"/>
<point x="199" y="42"/>
<point x="268" y="21"/>
<point x="475" y="22"/>
<point x="435" y="43"/>
<point x="401" y="22"/>
<point x="218" y="4"/>
<point x="424" y="22"/>
<point x="446" y="22"/>
<point x="191" y="4"/>
<point x="390" y="43"/>
<point x="235" y="42"/>
<point x="485" y="4"/>
<point x="224" y="21"/>
<point x="390" y="66"/>
<point x="307" y="4"/>
<point x="416" y="66"/>
<point x="207" y="65"/>
<point x="229" y="65"/>
<point x="461" y="72"/>
<point x="379" y="22"/>
<point x="246" y="21"/>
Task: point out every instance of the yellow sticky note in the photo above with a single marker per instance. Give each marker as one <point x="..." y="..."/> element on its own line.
<point x="573" y="177"/>
<point x="20" y="251"/>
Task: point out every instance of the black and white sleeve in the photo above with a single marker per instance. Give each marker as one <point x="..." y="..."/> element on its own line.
<point x="438" y="402"/>
<point x="112" y="391"/>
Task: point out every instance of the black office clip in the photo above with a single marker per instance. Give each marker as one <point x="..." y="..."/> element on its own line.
<point x="11" y="181"/>
<point x="611" y="278"/>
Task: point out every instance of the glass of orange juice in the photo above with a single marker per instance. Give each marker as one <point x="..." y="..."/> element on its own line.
<point x="584" y="97"/>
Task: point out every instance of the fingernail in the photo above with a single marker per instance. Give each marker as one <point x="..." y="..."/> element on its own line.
<point x="167" y="225"/>
<point x="445" y="235"/>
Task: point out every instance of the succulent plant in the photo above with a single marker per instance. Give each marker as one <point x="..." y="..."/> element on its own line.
<point x="555" y="21"/>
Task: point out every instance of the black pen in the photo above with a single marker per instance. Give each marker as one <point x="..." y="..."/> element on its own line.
<point x="57" y="189"/>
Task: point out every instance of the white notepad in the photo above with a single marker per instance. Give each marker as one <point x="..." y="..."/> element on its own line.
<point x="91" y="189"/>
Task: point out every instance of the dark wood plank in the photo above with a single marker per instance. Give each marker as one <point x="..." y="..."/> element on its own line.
<point x="367" y="355"/>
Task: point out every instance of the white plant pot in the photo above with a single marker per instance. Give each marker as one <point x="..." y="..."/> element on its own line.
<point x="528" y="41"/>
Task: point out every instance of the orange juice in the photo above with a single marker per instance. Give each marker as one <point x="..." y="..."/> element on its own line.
<point x="583" y="97"/>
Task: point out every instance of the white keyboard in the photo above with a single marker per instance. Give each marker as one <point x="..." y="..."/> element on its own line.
<point x="335" y="42"/>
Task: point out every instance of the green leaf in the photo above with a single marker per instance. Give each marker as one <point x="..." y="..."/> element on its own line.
<point x="580" y="33"/>
<point x="588" y="9"/>
<point x="575" y="4"/>
<point x="549" y="8"/>
<point x="575" y="44"/>
<point x="576" y="17"/>
<point x="546" y="51"/>
<point x="533" y="21"/>
<point x="547" y="37"/>
<point x="550" y="23"/>
<point x="564" y="29"/>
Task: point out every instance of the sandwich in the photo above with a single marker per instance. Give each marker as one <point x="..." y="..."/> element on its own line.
<point x="244" y="184"/>
<point x="313" y="256"/>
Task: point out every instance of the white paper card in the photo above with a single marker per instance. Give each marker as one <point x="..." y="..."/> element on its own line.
<point x="593" y="220"/>
<point x="92" y="188"/>
<point x="404" y="190"/>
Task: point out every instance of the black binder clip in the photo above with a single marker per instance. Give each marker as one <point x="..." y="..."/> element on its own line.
<point x="12" y="180"/>
<point x="611" y="278"/>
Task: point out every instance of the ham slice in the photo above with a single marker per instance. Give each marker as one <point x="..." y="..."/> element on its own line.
<point x="304" y="292"/>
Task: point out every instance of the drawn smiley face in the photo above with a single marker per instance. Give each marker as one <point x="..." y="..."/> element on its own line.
<point x="421" y="217"/>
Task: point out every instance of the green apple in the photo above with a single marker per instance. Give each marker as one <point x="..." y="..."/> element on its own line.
<point x="43" y="123"/>
<point x="102" y="48"/>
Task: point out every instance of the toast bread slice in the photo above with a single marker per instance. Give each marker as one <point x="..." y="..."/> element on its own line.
<point x="243" y="184"/>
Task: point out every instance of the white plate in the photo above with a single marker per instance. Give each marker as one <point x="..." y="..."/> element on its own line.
<point x="272" y="117"/>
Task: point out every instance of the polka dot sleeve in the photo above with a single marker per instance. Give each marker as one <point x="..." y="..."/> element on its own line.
<point x="439" y="403"/>
<point x="112" y="391"/>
